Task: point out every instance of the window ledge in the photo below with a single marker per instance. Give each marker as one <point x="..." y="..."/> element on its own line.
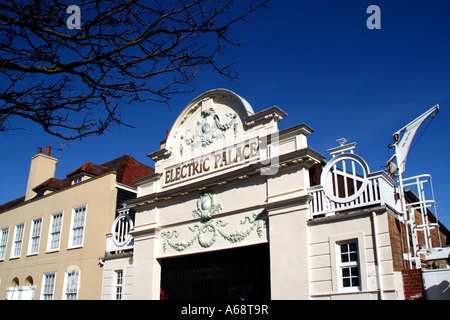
<point x="343" y="293"/>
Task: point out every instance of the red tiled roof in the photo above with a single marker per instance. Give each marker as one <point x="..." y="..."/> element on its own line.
<point x="11" y="204"/>
<point x="52" y="184"/>
<point x="126" y="168"/>
<point x="89" y="167"/>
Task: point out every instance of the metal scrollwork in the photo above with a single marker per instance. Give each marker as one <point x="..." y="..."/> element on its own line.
<point x="120" y="230"/>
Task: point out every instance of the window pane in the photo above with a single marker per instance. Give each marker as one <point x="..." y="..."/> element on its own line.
<point x="78" y="226"/>
<point x="56" y="231"/>
<point x="349" y="265"/>
<point x="346" y="283"/>
<point x="346" y="272"/>
<point x="3" y="242"/>
<point x="35" y="236"/>
<point x="18" y="240"/>
<point x="49" y="283"/>
<point x="72" y="278"/>
<point x="118" y="284"/>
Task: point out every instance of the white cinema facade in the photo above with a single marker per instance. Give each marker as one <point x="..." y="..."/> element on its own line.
<point x="236" y="210"/>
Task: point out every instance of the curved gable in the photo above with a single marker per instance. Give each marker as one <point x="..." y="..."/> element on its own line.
<point x="213" y="117"/>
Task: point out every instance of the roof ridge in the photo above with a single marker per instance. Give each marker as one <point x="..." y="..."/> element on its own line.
<point x="122" y="156"/>
<point x="86" y="167"/>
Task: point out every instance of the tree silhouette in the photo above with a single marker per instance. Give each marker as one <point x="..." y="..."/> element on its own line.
<point x="75" y="82"/>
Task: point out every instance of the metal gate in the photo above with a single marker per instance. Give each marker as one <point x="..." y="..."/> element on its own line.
<point x="236" y="274"/>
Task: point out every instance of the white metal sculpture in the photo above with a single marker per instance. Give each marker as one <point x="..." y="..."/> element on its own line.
<point x="347" y="184"/>
<point x="402" y="143"/>
<point x="402" y="147"/>
<point x="120" y="238"/>
<point x="338" y="169"/>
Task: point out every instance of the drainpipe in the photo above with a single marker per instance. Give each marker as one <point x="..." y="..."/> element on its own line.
<point x="376" y="252"/>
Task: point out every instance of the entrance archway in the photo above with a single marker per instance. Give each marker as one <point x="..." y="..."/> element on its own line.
<point x="234" y="274"/>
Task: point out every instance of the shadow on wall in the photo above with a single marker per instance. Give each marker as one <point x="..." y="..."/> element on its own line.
<point x="438" y="292"/>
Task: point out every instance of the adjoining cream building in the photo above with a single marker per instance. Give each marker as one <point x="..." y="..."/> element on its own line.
<point x="52" y="239"/>
<point x="238" y="209"/>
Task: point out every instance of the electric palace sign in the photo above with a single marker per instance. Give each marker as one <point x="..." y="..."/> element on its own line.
<point x="243" y="153"/>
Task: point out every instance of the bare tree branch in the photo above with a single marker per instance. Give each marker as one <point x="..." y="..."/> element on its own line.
<point x="75" y="83"/>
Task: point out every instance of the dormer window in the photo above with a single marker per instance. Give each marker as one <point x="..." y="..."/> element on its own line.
<point x="48" y="186"/>
<point x="86" y="171"/>
<point x="40" y="193"/>
<point x="77" y="179"/>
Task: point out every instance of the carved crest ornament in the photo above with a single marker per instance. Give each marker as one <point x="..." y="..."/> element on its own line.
<point x="206" y="208"/>
<point x="208" y="129"/>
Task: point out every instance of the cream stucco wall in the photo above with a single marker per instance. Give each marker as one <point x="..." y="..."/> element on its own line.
<point x="283" y="226"/>
<point x="323" y="254"/>
<point x="99" y="194"/>
<point x="123" y="262"/>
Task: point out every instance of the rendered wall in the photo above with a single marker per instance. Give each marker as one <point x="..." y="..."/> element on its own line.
<point x="323" y="236"/>
<point x="100" y="196"/>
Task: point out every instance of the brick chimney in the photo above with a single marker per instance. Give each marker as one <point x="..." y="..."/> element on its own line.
<point x="43" y="167"/>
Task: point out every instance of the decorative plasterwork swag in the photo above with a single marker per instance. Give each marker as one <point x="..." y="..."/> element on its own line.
<point x="206" y="207"/>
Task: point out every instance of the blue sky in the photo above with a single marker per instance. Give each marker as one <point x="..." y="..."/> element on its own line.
<point x="318" y="62"/>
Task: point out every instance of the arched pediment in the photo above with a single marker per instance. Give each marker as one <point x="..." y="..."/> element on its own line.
<point x="216" y="115"/>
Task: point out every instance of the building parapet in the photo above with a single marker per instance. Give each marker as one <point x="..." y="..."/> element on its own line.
<point x="380" y="190"/>
<point x="346" y="184"/>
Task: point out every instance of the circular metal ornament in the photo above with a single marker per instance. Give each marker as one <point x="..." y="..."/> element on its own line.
<point x="128" y="222"/>
<point x="327" y="182"/>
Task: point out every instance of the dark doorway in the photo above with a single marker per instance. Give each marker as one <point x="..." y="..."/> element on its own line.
<point x="235" y="274"/>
